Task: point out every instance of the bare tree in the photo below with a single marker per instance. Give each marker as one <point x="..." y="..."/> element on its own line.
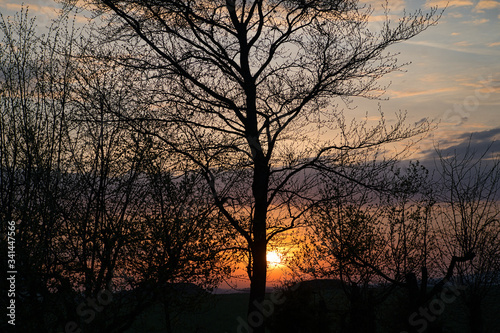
<point x="365" y="234"/>
<point x="93" y="202"/>
<point x="34" y="89"/>
<point x="468" y="222"/>
<point x="236" y="89"/>
<point x="424" y="230"/>
<point x="130" y="224"/>
<point x="383" y="233"/>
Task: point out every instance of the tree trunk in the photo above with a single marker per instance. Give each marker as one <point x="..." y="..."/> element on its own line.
<point x="475" y="313"/>
<point x="256" y="316"/>
<point x="256" y="313"/>
<point x="166" y="310"/>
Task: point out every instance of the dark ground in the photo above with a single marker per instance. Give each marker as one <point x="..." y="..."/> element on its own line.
<point x="323" y="309"/>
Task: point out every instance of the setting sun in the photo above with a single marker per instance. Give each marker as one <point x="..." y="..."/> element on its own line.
<point x="273" y="258"/>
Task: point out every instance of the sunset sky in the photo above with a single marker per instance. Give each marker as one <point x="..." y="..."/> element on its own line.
<point x="454" y="78"/>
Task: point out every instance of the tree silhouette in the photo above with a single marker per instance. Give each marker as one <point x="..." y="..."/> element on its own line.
<point x="469" y="223"/>
<point x="236" y="89"/>
<point x="96" y="210"/>
<point x="34" y="81"/>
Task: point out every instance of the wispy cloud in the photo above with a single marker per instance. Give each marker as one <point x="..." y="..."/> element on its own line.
<point x="478" y="51"/>
<point x="393" y="94"/>
<point x="480" y="142"/>
<point x="444" y="3"/>
<point x="489" y="135"/>
<point x="45" y="10"/>
<point x="433" y="78"/>
<point x="383" y="18"/>
<point x="463" y="43"/>
<point x="486" y="88"/>
<point x="392" y="4"/>
<point x="486" y="4"/>
<point x="478" y="21"/>
<point x="455" y="15"/>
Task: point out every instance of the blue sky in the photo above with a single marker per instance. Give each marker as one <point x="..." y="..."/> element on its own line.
<point x="453" y="78"/>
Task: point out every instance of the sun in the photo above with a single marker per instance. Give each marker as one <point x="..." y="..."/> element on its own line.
<point x="273" y="258"/>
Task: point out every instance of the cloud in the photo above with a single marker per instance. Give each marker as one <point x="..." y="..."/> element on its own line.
<point x="486" y="4"/>
<point x="494" y="44"/>
<point x="455" y="15"/>
<point x="33" y="9"/>
<point x="478" y="21"/>
<point x="451" y="3"/>
<point x="402" y="94"/>
<point x="490" y="82"/>
<point x="479" y="143"/>
<point x="488" y="135"/>
<point x="463" y="43"/>
<point x="434" y="77"/>
<point x="446" y="47"/>
<point x="397" y="5"/>
<point x="472" y="143"/>
<point x="383" y="18"/>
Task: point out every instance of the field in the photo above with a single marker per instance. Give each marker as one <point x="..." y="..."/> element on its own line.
<point x="216" y="313"/>
<point x="324" y="309"/>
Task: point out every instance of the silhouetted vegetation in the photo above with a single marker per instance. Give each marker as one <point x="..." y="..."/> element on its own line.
<point x="145" y="158"/>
